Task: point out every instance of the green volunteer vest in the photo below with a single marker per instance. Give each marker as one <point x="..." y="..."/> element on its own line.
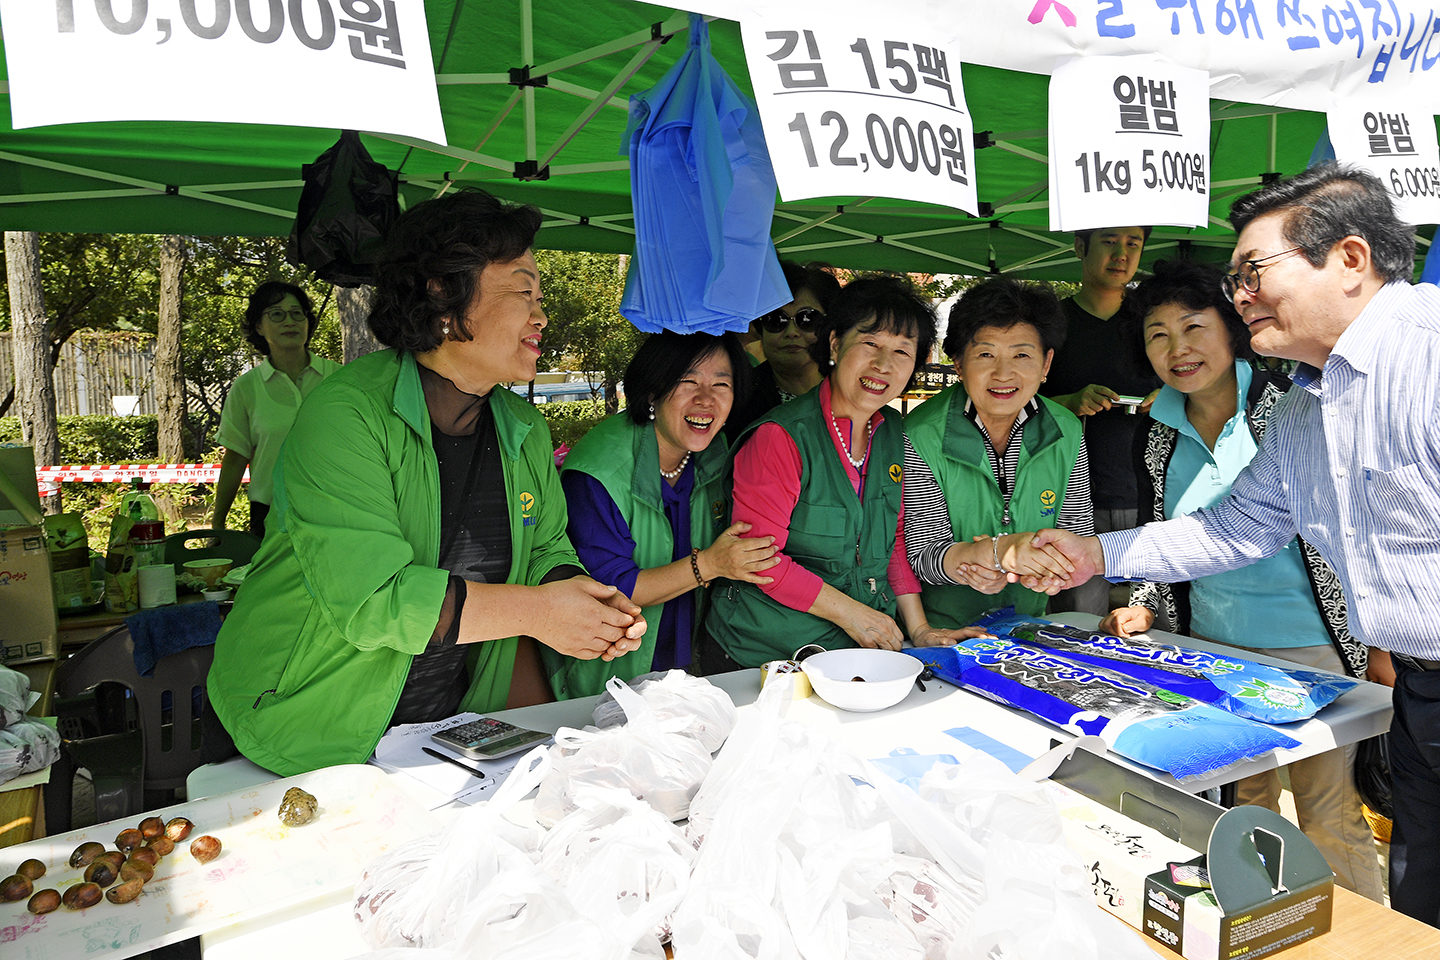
<point x="633" y="482"/>
<point x="952" y="446"/>
<point x="847" y="542"/>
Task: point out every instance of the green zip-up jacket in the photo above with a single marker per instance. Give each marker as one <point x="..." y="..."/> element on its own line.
<point x="345" y="589"/>
<point x="844" y="540"/>
<point x="952" y="446"/>
<point x="625" y="458"/>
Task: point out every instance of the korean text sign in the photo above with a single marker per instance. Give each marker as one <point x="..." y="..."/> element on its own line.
<point x="351" y="64"/>
<point x="1129" y="144"/>
<point x="1394" y="139"/>
<point x="876" y="111"/>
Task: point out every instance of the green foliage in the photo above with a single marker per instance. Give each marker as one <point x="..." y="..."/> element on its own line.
<point x="572" y="420"/>
<point x="582" y="299"/>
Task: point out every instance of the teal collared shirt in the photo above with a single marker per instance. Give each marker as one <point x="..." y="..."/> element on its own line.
<point x="1269" y="604"/>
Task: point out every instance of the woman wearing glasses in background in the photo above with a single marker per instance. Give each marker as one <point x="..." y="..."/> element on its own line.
<point x="786" y="336"/>
<point x="262" y="402"/>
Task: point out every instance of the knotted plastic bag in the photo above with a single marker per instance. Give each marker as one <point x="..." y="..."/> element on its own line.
<point x="676" y="694"/>
<point x="653" y="759"/>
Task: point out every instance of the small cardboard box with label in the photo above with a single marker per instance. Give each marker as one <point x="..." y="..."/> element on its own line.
<point x="29" y="630"/>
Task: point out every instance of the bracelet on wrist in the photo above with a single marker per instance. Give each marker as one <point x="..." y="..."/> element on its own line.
<point x="695" y="567"/>
<point x="995" y="551"/>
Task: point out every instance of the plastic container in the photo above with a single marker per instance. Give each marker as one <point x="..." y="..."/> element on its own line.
<point x="861" y="680"/>
<point x="148" y="539"/>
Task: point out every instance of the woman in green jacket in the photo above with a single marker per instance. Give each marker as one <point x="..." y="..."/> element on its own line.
<point x="646" y="500"/>
<point x="417" y="541"/>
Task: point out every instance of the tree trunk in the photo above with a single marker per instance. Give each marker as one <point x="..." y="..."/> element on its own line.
<point x="353" y="305"/>
<point x="169" y="374"/>
<point x="30" y="341"/>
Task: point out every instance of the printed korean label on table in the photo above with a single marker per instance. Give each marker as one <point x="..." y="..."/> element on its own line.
<point x="349" y="64"/>
<point x="1129" y="144"/>
<point x="1393" y="138"/>
<point x="873" y="112"/>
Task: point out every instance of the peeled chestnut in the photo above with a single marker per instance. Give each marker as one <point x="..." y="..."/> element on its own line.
<point x="128" y="839"/>
<point x="101" y="873"/>
<point x="31" y="869"/>
<point x="151" y="827"/>
<point x="178" y="829"/>
<point x="205" y="848"/>
<point x="131" y="869"/>
<point x="81" y="895"/>
<point x="44" y="901"/>
<point x="15" y="887"/>
<point x="162" y="845"/>
<point x="125" y="892"/>
<point x="85" y="853"/>
<point x="145" y="853"/>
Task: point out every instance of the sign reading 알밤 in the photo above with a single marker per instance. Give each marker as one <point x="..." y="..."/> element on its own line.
<point x="1393" y="138"/>
<point x="349" y="64"/>
<point x="872" y="112"/>
<point x="1129" y="143"/>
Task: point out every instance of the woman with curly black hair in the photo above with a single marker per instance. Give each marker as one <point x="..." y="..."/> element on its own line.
<point x="417" y="554"/>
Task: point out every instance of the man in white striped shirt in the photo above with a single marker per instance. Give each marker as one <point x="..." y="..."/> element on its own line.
<point x="1351" y="461"/>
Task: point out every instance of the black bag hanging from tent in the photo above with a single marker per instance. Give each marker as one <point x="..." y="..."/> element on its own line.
<point x="346" y="209"/>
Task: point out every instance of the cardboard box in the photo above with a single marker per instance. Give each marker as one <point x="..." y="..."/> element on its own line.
<point x="1266" y="894"/>
<point x="1269" y="887"/>
<point x="29" y="629"/>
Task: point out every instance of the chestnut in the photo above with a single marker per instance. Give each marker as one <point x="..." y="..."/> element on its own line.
<point x="15" y="887"/>
<point x="178" y="828"/>
<point x="31" y="869"/>
<point x="131" y="869"/>
<point x="45" y="901"/>
<point x="151" y="827"/>
<point x="125" y="892"/>
<point x="146" y="854"/>
<point x="81" y="895"/>
<point x="85" y="853"/>
<point x="128" y="839"/>
<point x="101" y="873"/>
<point x="162" y="845"/>
<point x="205" y="848"/>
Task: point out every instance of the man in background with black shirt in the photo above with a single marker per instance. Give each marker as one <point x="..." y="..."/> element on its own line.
<point x="1086" y="377"/>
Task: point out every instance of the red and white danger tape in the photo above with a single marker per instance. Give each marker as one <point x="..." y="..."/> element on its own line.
<point x="49" y="478"/>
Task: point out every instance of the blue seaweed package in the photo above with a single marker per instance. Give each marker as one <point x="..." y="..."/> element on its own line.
<point x="1141" y="721"/>
<point x="1243" y="687"/>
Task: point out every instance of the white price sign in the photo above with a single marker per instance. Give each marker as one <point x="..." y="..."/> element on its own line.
<point x="1394" y="139"/>
<point x="869" y="113"/>
<point x="347" y="64"/>
<point x="1129" y="144"/>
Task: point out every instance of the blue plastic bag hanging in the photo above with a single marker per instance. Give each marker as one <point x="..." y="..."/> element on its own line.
<point x="703" y="193"/>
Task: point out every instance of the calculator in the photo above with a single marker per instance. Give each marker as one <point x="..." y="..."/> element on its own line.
<point x="488" y="738"/>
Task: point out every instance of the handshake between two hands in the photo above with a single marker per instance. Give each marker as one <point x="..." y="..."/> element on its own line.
<point x="1047" y="562"/>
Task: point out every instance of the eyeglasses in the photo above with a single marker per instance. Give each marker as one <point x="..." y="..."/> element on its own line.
<point x="279" y="316"/>
<point x="1248" y="276"/>
<point x="806" y="319"/>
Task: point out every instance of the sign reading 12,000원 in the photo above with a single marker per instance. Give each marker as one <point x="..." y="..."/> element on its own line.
<point x="352" y="64"/>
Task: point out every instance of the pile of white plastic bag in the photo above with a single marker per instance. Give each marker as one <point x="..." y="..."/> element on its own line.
<point x="26" y="744"/>
<point x="793" y="849"/>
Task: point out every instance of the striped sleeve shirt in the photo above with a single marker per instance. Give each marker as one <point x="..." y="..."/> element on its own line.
<point x="1350" y="462"/>
<point x="928" y="532"/>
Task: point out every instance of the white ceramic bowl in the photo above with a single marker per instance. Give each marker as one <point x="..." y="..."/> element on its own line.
<point x="889" y="676"/>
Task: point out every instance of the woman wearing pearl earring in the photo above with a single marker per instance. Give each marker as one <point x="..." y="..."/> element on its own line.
<point x="822" y="475"/>
<point x="646" y="500"/>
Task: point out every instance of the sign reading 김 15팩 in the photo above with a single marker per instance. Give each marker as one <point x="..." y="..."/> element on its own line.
<point x="873" y="112"/>
<point x="352" y="64"/>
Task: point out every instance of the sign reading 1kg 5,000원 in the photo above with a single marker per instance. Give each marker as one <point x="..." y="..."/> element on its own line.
<point x="852" y="114"/>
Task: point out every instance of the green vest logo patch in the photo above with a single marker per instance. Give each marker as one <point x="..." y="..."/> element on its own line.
<point x="895" y="472"/>
<point x="1047" y="502"/>
<point x="527" y="505"/>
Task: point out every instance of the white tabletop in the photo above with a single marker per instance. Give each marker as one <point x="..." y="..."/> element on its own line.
<point x="325" y="928"/>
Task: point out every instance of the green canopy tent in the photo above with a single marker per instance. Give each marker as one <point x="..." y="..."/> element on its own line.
<point x="534" y="95"/>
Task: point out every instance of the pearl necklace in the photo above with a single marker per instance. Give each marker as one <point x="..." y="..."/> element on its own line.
<point x="672" y="474"/>
<point x="857" y="464"/>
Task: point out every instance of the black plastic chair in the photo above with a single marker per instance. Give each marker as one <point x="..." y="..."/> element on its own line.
<point x="237" y="546"/>
<point x="138" y="736"/>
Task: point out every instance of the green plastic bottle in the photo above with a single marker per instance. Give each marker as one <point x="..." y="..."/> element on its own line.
<point x="137" y="504"/>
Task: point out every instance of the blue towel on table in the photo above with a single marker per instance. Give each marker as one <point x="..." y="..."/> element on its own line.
<point x="165" y="630"/>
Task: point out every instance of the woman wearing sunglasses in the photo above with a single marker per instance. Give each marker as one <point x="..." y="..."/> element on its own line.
<point x="1203" y="429"/>
<point x="262" y="402"/>
<point x="646" y="501"/>
<point x="787" y="336"/>
<point x="822" y="476"/>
